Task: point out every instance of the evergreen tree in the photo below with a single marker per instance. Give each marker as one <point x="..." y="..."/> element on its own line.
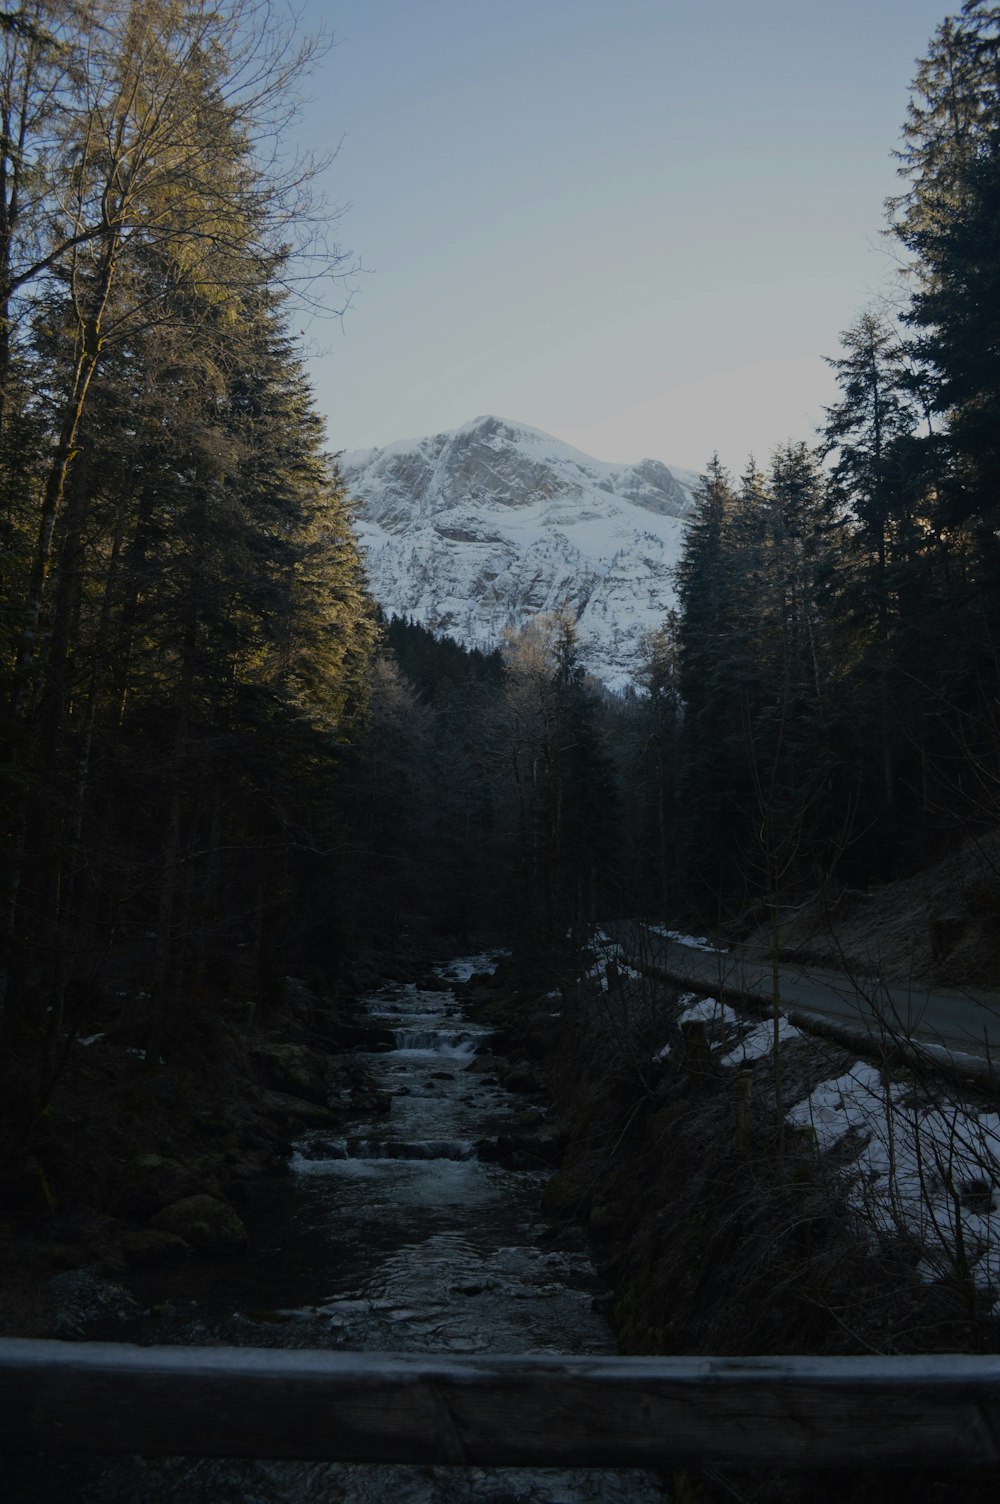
<point x="712" y="638"/>
<point x="648" y="728"/>
<point x="563" y="798"/>
<point x="948" y="220"/>
<point x="869" y="431"/>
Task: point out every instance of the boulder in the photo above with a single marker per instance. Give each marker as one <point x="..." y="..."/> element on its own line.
<point x="546" y="1142"/>
<point x="484" y="1064"/>
<point x="523" y="1078"/>
<point x="153" y="1181"/>
<point x="530" y="1117"/>
<point x="296" y="1069"/>
<point x="205" y="1222"/>
<point x="376" y="1104"/>
<point x="286" y="1110"/>
<point x="151" y="1246"/>
<point x="524" y="1151"/>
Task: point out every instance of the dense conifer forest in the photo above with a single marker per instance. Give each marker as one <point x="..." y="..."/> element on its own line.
<point x="186" y="630"/>
<point x="219" y="758"/>
<point x="837" y="641"/>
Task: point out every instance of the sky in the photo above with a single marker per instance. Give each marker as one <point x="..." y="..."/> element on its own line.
<point x="638" y="225"/>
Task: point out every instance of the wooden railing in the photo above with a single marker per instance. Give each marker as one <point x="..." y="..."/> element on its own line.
<point x="538" y="1411"/>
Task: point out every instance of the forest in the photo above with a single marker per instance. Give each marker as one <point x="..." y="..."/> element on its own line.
<point x="220" y="759"/>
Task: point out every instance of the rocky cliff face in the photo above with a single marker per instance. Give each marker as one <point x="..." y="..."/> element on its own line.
<point x="475" y="530"/>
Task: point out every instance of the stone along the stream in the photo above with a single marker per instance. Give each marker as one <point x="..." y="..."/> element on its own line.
<point x="394" y="1236"/>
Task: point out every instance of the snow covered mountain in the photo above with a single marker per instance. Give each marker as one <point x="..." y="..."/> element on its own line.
<point x="480" y="528"/>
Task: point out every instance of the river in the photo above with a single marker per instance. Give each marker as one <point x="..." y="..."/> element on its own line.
<point x="393" y="1236"/>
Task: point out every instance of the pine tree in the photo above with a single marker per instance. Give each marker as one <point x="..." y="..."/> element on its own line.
<point x="713" y="637"/>
<point x="869" y="431"/>
<point x="882" y="508"/>
<point x="948" y="220"/>
<point x="649" y="727"/>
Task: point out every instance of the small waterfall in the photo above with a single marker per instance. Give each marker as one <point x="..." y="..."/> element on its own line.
<point x="439" y="1041"/>
<point x="337" y="1150"/>
<point x="394" y="1148"/>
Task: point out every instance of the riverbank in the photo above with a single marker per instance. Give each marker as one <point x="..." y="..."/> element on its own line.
<point x="716" y="1233"/>
<point x="128" y="1167"/>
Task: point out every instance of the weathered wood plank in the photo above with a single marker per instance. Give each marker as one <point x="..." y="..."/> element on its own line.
<point x="540" y="1411"/>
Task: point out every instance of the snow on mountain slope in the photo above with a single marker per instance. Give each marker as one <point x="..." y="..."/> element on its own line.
<point x="475" y="530"/>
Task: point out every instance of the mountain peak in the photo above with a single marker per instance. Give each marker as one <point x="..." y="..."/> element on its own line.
<point x="489" y="426"/>
<point x="476" y="529"/>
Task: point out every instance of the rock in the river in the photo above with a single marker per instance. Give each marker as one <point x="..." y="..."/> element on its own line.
<point x="372" y="1103"/>
<point x="484" y="1064"/>
<point x="207" y="1223"/>
<point x="431" y="981"/>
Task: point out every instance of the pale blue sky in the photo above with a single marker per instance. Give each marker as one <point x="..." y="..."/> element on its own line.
<point x="638" y="226"/>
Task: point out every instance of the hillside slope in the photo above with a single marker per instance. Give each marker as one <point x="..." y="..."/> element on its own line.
<point x="942" y="925"/>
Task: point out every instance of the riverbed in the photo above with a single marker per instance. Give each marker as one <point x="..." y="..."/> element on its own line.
<point x="390" y="1235"/>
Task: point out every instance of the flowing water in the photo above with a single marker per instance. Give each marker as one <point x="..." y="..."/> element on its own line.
<point x="394" y="1236"/>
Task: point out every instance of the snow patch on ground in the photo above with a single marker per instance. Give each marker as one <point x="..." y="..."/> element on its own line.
<point x="611" y="966"/>
<point x="930" y="1172"/>
<point x="707" y="1010"/>
<point x="611" y="963"/>
<point x="694" y="942"/>
<point x="915" y="1168"/>
<point x="715" y="1015"/>
<point x="760" y="1042"/>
